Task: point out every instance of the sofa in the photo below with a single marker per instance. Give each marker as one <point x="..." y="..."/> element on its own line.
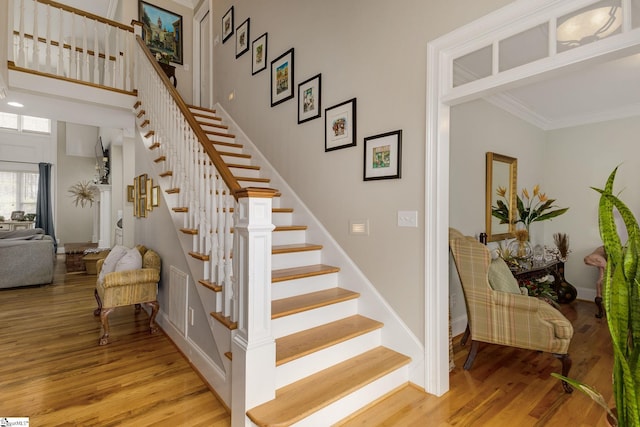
<point x="26" y="258"/>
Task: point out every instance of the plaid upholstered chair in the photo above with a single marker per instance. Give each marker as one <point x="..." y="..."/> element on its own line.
<point x="124" y="285"/>
<point x="505" y="318"/>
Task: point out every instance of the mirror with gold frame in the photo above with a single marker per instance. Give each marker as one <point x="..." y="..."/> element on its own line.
<point x="501" y="190"/>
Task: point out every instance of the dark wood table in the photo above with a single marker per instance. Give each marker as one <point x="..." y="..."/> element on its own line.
<point x="170" y="71"/>
<point x="566" y="292"/>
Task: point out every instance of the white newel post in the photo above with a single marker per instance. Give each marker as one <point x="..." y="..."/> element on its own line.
<point x="253" y="346"/>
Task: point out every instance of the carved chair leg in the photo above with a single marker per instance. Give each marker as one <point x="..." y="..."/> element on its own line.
<point x="465" y="337"/>
<point x="104" y="314"/>
<point x="600" y="312"/>
<point x="472" y="355"/>
<point x="155" y="306"/>
<point x="566" y="366"/>
<point x="97" y="311"/>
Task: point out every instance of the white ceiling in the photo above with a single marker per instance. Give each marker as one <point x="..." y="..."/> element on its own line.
<point x="595" y="93"/>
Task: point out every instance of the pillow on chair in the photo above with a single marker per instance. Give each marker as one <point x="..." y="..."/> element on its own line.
<point x="132" y="260"/>
<point x="501" y="278"/>
<point x="109" y="264"/>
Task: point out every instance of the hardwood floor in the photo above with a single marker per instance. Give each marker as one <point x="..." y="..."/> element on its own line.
<point x="54" y="372"/>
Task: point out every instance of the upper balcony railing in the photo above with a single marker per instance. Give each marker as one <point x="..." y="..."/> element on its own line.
<point x="54" y="39"/>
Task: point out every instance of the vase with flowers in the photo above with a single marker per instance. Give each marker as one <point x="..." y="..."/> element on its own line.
<point x="532" y="207"/>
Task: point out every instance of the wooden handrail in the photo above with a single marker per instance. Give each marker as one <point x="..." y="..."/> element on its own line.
<point x="86" y="14"/>
<point x="221" y="166"/>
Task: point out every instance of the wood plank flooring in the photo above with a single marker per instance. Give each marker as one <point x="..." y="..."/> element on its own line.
<point x="54" y="372"/>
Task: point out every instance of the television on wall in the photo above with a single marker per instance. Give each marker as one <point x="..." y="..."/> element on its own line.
<point x="102" y="162"/>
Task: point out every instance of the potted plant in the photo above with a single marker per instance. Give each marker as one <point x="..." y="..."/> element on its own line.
<point x="622" y="304"/>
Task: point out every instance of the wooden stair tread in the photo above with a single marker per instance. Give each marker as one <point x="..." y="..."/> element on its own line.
<point x="284" y="274"/>
<point x="250" y="179"/>
<point x="213" y="286"/>
<point x="201" y="122"/>
<point x="150" y="134"/>
<point x="181" y="209"/>
<point x="299" y="303"/>
<point x="201" y="257"/>
<point x="300" y="344"/>
<point x="160" y="159"/>
<point x="191" y="231"/>
<point x="242" y="155"/>
<point x="165" y="174"/>
<point x="224" y="320"/>
<point x="297" y="247"/>
<point x="137" y="104"/>
<point x="172" y="191"/>
<point x="206" y="116"/>
<point x="300" y="399"/>
<point x="252" y="167"/>
<point x="154" y="145"/>
<point x="197" y="107"/>
<point x="290" y="228"/>
<point x="221" y="134"/>
<point x="282" y="210"/>
<point x="227" y="144"/>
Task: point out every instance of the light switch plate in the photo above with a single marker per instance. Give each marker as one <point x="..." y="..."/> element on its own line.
<point x="407" y="218"/>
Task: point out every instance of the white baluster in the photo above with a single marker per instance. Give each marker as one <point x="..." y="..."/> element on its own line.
<point x="60" y="64"/>
<point x="127" y="56"/>
<point x="107" y="72"/>
<point x="48" y="48"/>
<point x="85" y="52"/>
<point x="35" y="59"/>
<point x="21" y="53"/>
<point x="73" y="70"/>
<point x="96" y="54"/>
<point x="118" y="62"/>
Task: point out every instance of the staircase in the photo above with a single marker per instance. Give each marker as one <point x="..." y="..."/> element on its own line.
<point x="330" y="360"/>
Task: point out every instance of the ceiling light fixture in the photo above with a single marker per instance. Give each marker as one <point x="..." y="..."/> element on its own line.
<point x="589" y="26"/>
<point x="15" y="104"/>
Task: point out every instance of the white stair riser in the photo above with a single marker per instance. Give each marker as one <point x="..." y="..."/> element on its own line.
<point x="295" y="259"/>
<point x="356" y="400"/>
<point x="203" y="113"/>
<point x="319" y="360"/>
<point x="211" y="127"/>
<point x="282" y="218"/>
<point x="288" y="325"/>
<point x="288" y="237"/>
<point x="251" y="173"/>
<point x="221" y="138"/>
<point x="291" y="288"/>
<point x="221" y="147"/>
<point x="235" y="160"/>
<point x="253" y="184"/>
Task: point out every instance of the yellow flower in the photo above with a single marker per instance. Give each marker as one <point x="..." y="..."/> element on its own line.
<point x="502" y="191"/>
<point x="525" y="193"/>
<point x="543" y="197"/>
<point x="536" y="190"/>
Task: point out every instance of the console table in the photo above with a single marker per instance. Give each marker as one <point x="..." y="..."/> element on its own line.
<point x="16" y="225"/>
<point x="566" y="292"/>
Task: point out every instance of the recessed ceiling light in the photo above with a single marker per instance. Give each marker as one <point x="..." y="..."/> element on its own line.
<point x="15" y="104"/>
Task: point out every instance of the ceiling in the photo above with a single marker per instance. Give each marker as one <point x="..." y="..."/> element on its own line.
<point x="598" y="92"/>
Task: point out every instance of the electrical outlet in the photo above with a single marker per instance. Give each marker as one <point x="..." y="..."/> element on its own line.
<point x="191" y="316"/>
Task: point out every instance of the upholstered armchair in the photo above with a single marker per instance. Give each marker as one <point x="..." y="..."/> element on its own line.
<point x="119" y="285"/>
<point x="505" y="318"/>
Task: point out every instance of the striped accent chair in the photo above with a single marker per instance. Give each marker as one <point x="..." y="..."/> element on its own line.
<point x="130" y="287"/>
<point x="505" y="318"/>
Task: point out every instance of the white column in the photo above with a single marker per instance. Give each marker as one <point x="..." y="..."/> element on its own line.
<point x="104" y="217"/>
<point x="253" y="346"/>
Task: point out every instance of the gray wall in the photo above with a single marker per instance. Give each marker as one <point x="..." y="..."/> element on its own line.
<point x="374" y="51"/>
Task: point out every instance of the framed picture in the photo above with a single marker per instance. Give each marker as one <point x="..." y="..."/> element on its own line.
<point x="142" y="185"/>
<point x="259" y="54"/>
<point x="282" y="78"/>
<point x="242" y="39"/>
<point x="142" y="207"/>
<point x="309" y="99"/>
<point x="340" y="126"/>
<point x="148" y="192"/>
<point x="155" y="196"/>
<point x="161" y="31"/>
<point x="382" y="156"/>
<point x="227" y="25"/>
<point x="136" y="196"/>
<point x="130" y="193"/>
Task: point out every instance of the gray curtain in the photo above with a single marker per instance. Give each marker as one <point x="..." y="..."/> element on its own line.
<point x="44" y="216"/>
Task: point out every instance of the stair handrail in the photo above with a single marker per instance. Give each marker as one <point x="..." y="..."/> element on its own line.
<point x="86" y="14"/>
<point x="220" y="165"/>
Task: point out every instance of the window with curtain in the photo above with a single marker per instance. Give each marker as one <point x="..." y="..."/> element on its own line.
<point x="22" y="123"/>
<point x="18" y="192"/>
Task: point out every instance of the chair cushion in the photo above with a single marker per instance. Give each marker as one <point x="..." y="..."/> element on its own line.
<point x="131" y="260"/>
<point x="501" y="278"/>
<point x="109" y="264"/>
